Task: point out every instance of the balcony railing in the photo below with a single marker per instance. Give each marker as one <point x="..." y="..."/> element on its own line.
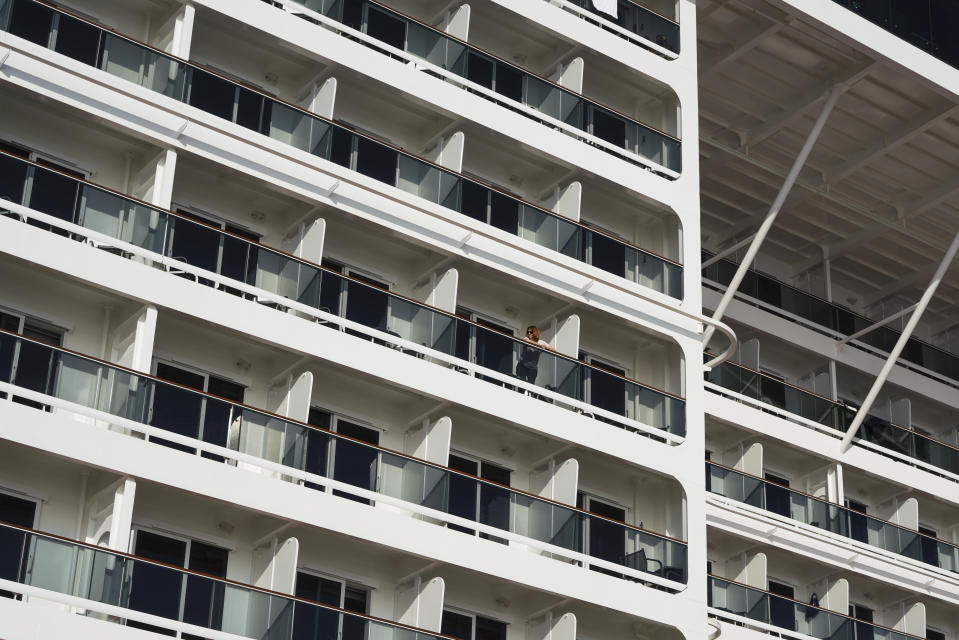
<point x="927" y="24"/>
<point x="831" y="517"/>
<point x="98" y="575"/>
<point x="785" y="613"/>
<point x="208" y="91"/>
<point x="95" y="384"/>
<point x="637" y="19"/>
<point x="769" y="291"/>
<point x="212" y="249"/>
<point x="835" y="415"/>
<point x="502" y="77"/>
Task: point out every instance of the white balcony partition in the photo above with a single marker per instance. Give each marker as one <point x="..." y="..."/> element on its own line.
<point x="908" y="616"/>
<point x="570" y="75"/>
<point x="324" y="98"/>
<point x="439" y="289"/>
<point x="552" y="627"/>
<point x="131" y="339"/>
<point x="431" y="440"/>
<point x="566" y="336"/>
<point x="448" y="151"/>
<point x="750" y="568"/>
<point x="833" y="594"/>
<point x="568" y="200"/>
<point x="559" y="482"/>
<point x="109" y="514"/>
<point x="419" y="603"/>
<point x="457" y="22"/>
<point x="274" y="565"/>
<point x="291" y="395"/>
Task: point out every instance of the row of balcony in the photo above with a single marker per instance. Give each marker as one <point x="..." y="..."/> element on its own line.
<point x="205" y="418"/>
<point x="829" y="516"/>
<point x="634" y="18"/>
<point x="144" y="585"/>
<point x="833" y="414"/>
<point x="744" y="601"/>
<point x="767" y="290"/>
<point x="247" y="262"/>
<point x="258" y="112"/>
<point x="504" y="78"/>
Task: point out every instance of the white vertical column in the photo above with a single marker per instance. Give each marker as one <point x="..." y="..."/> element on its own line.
<point x="121" y="522"/>
<point x="131" y="340"/>
<point x="182" y="40"/>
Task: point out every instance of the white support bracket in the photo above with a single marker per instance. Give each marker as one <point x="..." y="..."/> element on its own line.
<point x="774" y="210"/>
<point x="900" y="344"/>
<point x="728" y="251"/>
<point x="876" y="325"/>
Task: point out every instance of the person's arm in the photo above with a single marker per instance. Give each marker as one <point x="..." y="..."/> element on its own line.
<point x="545" y="345"/>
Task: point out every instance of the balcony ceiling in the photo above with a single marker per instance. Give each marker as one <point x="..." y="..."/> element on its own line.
<point x="880" y="190"/>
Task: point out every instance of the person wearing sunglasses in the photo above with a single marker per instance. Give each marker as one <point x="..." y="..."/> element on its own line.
<point x="528" y="364"/>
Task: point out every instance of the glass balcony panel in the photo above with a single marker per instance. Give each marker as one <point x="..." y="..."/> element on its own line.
<point x="101" y="211"/>
<point x="414" y="482"/>
<point x="145" y="227"/>
<point x="480" y="68"/>
<point x="77" y="380"/>
<point x="385" y="27"/>
<point x="178" y="411"/>
<point x="54" y="194"/>
<point x="376" y="160"/>
<point x="126" y="395"/>
<point x="607" y="254"/>
<point x="354" y="463"/>
<point x="124" y="59"/>
<point x="427" y="181"/>
<point x="544" y="97"/>
<point x="51" y="564"/>
<point x="607" y="126"/>
<point x="292" y="127"/>
<point x="195" y="244"/>
<point x="31" y="21"/>
<point x="509" y="81"/>
<point x="429" y="45"/>
<point x="210" y="93"/>
<point x="13" y="177"/>
<point x="101" y="576"/>
<point x="78" y="40"/>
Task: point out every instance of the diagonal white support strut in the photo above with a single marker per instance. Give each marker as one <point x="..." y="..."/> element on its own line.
<point x="901" y="343"/>
<point x="775" y="208"/>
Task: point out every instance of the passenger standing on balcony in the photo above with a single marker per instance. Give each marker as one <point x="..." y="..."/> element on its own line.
<point x="528" y="363"/>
